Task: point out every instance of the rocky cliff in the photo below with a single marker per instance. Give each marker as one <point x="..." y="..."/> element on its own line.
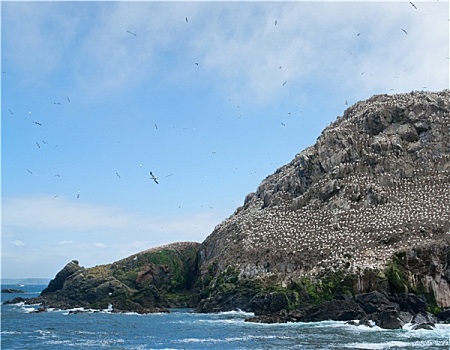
<point x="365" y="209"/>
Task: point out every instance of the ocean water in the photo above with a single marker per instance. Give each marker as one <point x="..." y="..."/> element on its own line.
<point x="183" y="329"/>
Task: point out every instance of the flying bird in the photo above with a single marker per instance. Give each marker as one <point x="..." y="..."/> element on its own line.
<point x="405" y="31"/>
<point x="118" y="175"/>
<point x="29" y="171"/>
<point x="37" y="123"/>
<point x="10" y="111"/>
<point x="413" y="5"/>
<point x="131" y="33"/>
<point x="39" y="146"/>
<point x="68" y="99"/>
<point x="358" y="34"/>
<point x="156" y="126"/>
<point x="283" y="124"/>
<point x="78" y="195"/>
<point x="153" y="177"/>
<point x="276" y="22"/>
<point x="187" y="20"/>
<point x="284" y="83"/>
<point x="57" y="175"/>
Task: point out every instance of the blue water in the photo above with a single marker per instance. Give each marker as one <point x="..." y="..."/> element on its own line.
<point x="183" y="329"/>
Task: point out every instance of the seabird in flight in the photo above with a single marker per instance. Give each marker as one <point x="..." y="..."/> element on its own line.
<point x="413" y="5"/>
<point x="131" y="33"/>
<point x="118" y="175"/>
<point x="68" y="99"/>
<point x="284" y="83"/>
<point x="153" y="177"/>
<point x="37" y="123"/>
<point x="10" y="111"/>
<point x="405" y="31"/>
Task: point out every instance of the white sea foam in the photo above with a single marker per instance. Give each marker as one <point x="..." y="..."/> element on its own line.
<point x="421" y="344"/>
<point x="27" y="310"/>
<point x="237" y="312"/>
<point x="10" y="332"/>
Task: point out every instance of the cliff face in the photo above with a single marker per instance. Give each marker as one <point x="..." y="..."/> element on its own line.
<point x="364" y="209"/>
<point x="370" y="198"/>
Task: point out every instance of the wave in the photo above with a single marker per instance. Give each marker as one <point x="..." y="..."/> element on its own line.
<point x="243" y="338"/>
<point x="420" y="344"/>
<point x="237" y="312"/>
<point x="27" y="310"/>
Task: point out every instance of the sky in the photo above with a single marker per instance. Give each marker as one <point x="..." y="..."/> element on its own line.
<point x="211" y="97"/>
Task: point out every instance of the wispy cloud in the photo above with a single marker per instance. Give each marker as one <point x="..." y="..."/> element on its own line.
<point x="61" y="230"/>
<point x="239" y="46"/>
<point x="18" y="243"/>
<point x="65" y="242"/>
<point x="48" y="214"/>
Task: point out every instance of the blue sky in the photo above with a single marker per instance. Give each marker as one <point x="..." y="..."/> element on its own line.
<point x="211" y="97"/>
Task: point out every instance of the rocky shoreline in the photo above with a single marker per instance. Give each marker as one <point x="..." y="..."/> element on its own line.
<point x="374" y="308"/>
<point x="370" y="309"/>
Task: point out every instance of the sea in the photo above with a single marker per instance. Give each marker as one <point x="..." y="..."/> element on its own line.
<point x="185" y="329"/>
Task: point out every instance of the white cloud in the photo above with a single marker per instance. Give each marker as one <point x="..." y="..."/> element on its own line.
<point x="60" y="215"/>
<point x="61" y="230"/>
<point x="237" y="44"/>
<point x="65" y="242"/>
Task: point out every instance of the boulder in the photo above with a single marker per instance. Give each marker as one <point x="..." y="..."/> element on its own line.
<point x="58" y="282"/>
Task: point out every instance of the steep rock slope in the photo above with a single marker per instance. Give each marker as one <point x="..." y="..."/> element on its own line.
<point x="368" y="204"/>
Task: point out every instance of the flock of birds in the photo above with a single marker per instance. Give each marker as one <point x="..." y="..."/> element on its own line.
<point x="153" y="177"/>
<point x="351" y="234"/>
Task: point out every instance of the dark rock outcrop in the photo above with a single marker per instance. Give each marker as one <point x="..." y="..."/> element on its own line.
<point x="12" y="291"/>
<point x="385" y="311"/>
